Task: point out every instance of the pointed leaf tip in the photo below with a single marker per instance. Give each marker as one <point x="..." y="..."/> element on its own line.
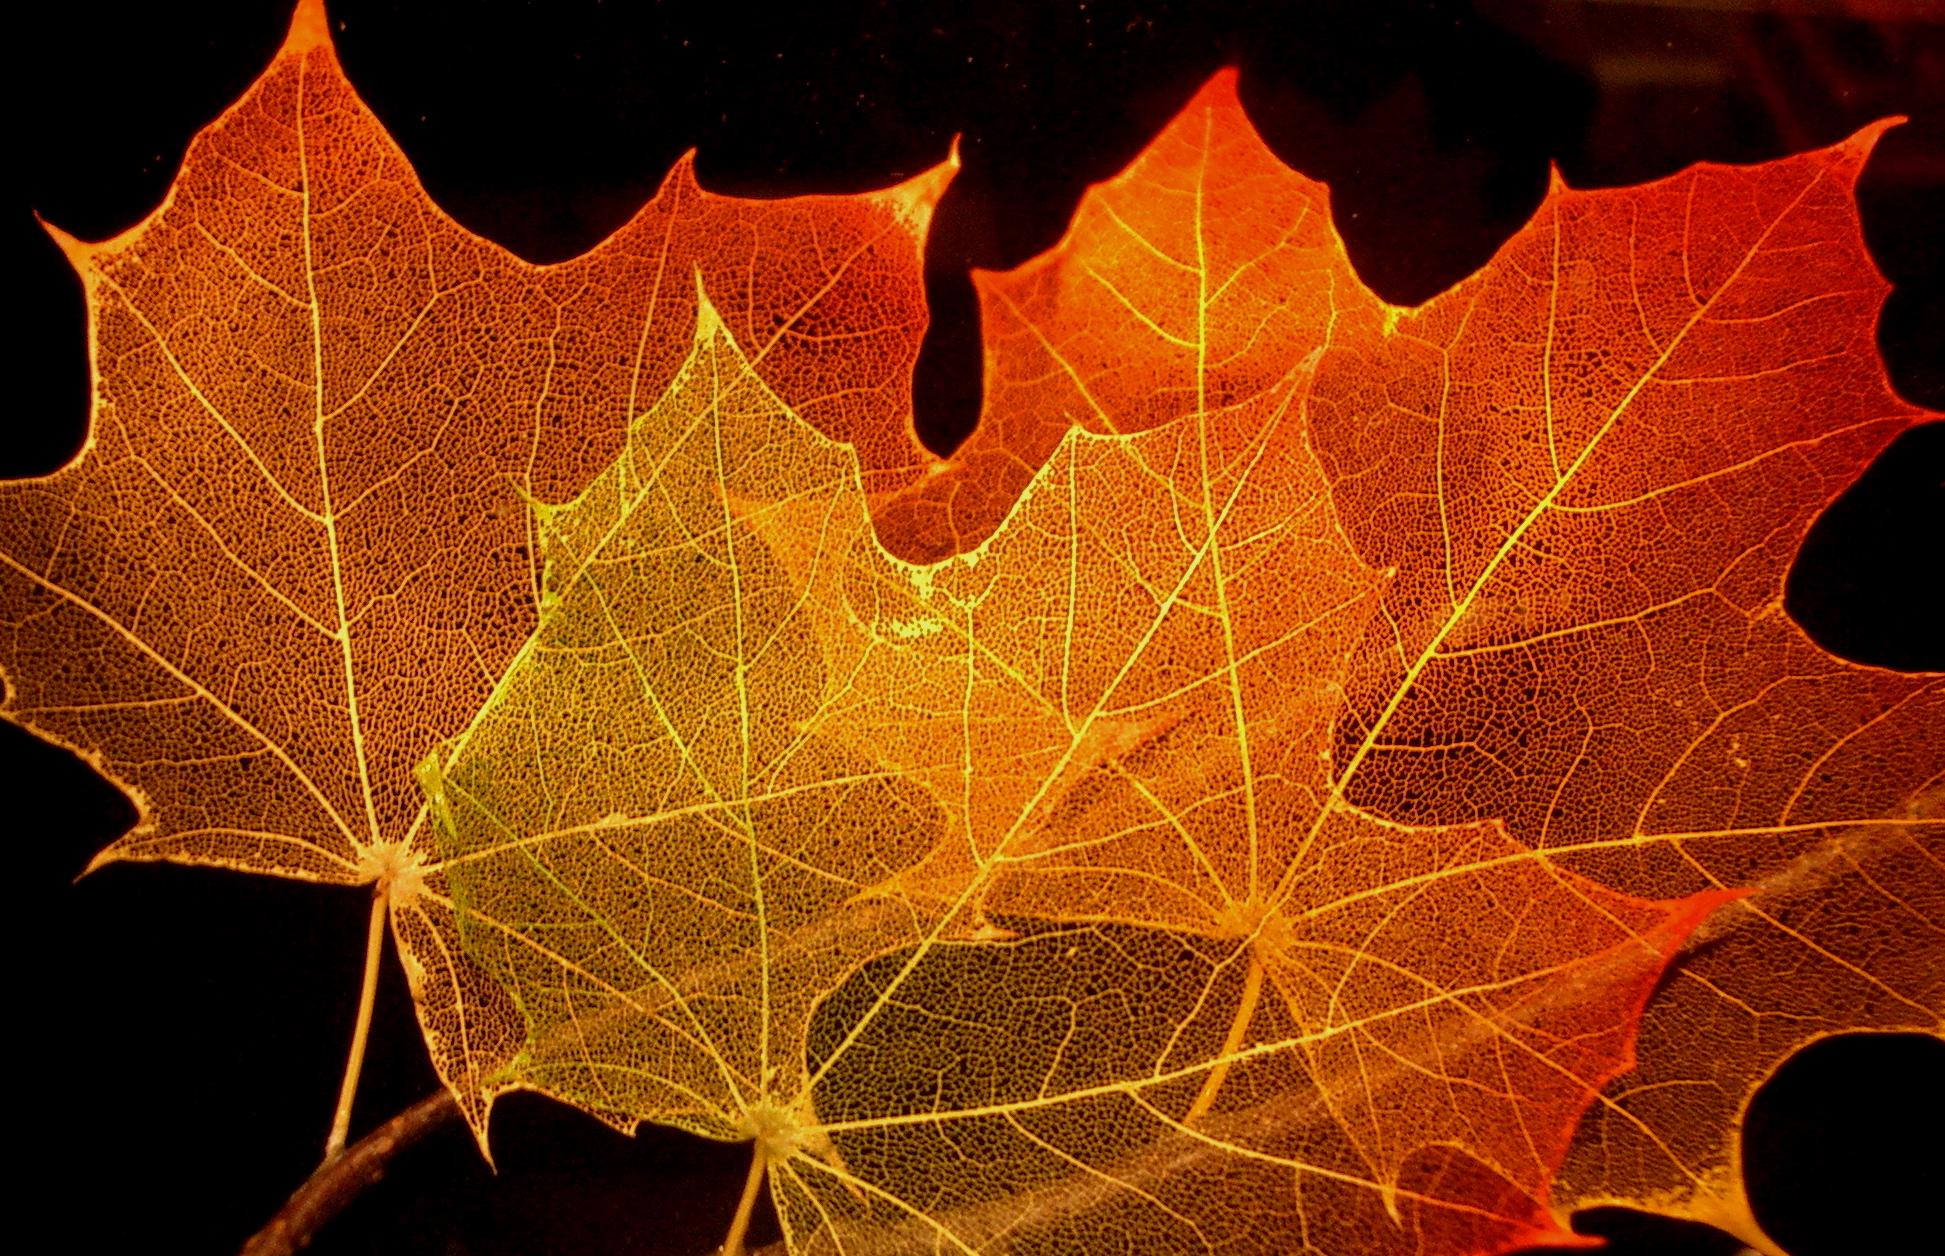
<point x="1223" y="85"/>
<point x="309" y="28"/>
<point x="1863" y="141"/>
<point x="78" y="251"/>
<point x="103" y="857"/>
<point x="1220" y="94"/>
<point x="682" y="173"/>
<point x="709" y="320"/>
<point x="914" y="200"/>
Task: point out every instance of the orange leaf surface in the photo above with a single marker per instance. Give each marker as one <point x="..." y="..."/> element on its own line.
<point x="1306" y="774"/>
<point x="295" y="550"/>
<point x="1297" y="772"/>
<point x="1591" y="465"/>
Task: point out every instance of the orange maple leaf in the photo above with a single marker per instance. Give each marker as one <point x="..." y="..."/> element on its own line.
<point x="295" y="550"/>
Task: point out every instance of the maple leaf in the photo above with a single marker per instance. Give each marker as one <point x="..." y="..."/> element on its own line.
<point x="295" y="551"/>
<point x="1583" y="638"/>
<point x="1591" y="465"/>
<point x="1268" y="830"/>
<point x="647" y="839"/>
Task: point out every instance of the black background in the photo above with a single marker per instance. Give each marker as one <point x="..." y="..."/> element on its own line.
<point x="178" y="1033"/>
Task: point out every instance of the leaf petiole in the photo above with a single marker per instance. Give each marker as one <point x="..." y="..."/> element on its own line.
<point x="1245" y="1013"/>
<point x="739" y="1225"/>
<point x="361" y="1033"/>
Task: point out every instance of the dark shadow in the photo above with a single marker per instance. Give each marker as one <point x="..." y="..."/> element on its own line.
<point x="564" y="1183"/>
<point x="1630" y="1233"/>
<point x="1844" y="1148"/>
<point x="1859" y="584"/>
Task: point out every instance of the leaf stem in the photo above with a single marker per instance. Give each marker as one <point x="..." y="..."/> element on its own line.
<point x="361" y="1034"/>
<point x="739" y="1225"/>
<point x="340" y="1181"/>
<point x="1245" y="1013"/>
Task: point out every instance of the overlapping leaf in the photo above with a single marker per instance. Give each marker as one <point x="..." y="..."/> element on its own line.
<point x="748" y="751"/>
<point x="295" y="551"/>
<point x="1269" y="832"/>
<point x="649" y="842"/>
<point x="1591" y="465"/>
<point x="1261" y="827"/>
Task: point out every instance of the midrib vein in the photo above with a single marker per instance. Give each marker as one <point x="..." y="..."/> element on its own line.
<point x="1211" y="522"/>
<point x="1340" y="788"/>
<point x="324" y="471"/>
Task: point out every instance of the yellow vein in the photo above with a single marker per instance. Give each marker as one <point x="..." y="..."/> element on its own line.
<point x="324" y="471"/>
